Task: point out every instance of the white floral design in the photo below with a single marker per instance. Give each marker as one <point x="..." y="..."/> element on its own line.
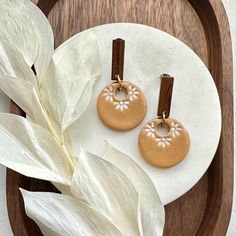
<point x="150" y="129"/>
<point x="108" y="93"/>
<point x="121" y="105"/>
<point x="163" y="141"/>
<point x="175" y="129"/>
<point x="133" y="93"/>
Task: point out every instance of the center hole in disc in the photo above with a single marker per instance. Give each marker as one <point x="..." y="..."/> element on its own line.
<point x="163" y="129"/>
<point x="121" y="94"/>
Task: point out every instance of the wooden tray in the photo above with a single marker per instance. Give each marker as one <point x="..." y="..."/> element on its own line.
<point x="203" y="26"/>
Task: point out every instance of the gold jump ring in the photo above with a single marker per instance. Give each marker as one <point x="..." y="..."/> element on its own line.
<point x="119" y="80"/>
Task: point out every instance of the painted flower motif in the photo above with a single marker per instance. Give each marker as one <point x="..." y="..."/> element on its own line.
<point x="150" y="129"/>
<point x="133" y="93"/>
<point x="175" y="129"/>
<point x="121" y="105"/>
<point x="164" y="141"/>
<point x="108" y="93"/>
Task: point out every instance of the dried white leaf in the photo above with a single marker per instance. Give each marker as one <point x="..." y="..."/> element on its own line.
<point x="20" y="91"/>
<point x="74" y="68"/>
<point x="12" y="63"/>
<point x="17" y="29"/>
<point x="59" y="215"/>
<point x="27" y="98"/>
<point x="32" y="151"/>
<point x="23" y="25"/>
<point x="152" y="210"/>
<point x="68" y="144"/>
<point x="108" y="190"/>
<point x="42" y="117"/>
<point x="45" y="38"/>
<point x="64" y="189"/>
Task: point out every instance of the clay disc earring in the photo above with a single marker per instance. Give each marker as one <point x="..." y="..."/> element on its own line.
<point x="121" y="105"/>
<point x="170" y="148"/>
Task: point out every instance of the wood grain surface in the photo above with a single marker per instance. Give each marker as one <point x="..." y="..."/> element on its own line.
<point x="203" y="26"/>
<point x="118" y="56"/>
<point x="165" y="96"/>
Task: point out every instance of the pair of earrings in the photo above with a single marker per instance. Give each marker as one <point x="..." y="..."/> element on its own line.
<point x="122" y="106"/>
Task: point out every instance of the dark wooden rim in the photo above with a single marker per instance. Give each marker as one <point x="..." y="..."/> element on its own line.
<point x="220" y="191"/>
<point x="220" y="196"/>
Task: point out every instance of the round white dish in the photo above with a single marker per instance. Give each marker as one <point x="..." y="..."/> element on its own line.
<point x="195" y="103"/>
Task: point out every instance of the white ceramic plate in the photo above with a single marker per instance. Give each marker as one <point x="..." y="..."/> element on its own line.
<point x="195" y="103"/>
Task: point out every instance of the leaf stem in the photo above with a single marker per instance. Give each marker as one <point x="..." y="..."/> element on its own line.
<point x="57" y="138"/>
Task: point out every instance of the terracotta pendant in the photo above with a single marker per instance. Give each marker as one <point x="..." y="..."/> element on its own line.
<point x="164" y="150"/>
<point x="121" y="114"/>
<point x="121" y="105"/>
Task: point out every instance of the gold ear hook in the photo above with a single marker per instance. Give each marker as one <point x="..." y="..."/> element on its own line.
<point x="119" y="81"/>
<point x="163" y="117"/>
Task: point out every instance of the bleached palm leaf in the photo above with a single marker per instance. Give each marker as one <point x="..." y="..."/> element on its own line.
<point x="45" y="37"/>
<point x="74" y="68"/>
<point x="60" y="215"/>
<point x="17" y="29"/>
<point x="20" y="91"/>
<point x="23" y="25"/>
<point x="32" y="151"/>
<point x="152" y="210"/>
<point x="109" y="191"/>
<point x="12" y="64"/>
